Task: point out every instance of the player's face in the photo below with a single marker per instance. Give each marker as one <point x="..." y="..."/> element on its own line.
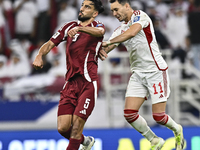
<point x="87" y="11"/>
<point x="119" y="11"/>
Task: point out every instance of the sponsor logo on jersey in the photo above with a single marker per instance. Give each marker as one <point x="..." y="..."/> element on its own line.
<point x="137" y="18"/>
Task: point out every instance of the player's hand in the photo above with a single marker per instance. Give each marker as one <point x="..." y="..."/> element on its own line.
<point x="38" y="62"/>
<point x="73" y="31"/>
<point x="102" y="54"/>
<point x="104" y="44"/>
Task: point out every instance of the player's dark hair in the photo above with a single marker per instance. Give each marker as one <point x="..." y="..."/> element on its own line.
<point x="98" y="5"/>
<point x="120" y="1"/>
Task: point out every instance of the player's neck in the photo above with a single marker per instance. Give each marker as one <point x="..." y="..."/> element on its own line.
<point x="129" y="15"/>
<point x="85" y="23"/>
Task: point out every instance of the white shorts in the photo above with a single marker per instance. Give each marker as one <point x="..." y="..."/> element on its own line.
<point x="156" y="83"/>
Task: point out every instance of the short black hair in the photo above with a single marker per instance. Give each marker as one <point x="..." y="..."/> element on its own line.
<point x="98" y="5"/>
<point x="120" y="1"/>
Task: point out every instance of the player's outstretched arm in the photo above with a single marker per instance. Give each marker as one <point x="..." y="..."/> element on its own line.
<point x="45" y="49"/>
<point x="131" y="32"/>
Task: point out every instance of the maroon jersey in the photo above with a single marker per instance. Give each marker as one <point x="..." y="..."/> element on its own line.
<point x="81" y="50"/>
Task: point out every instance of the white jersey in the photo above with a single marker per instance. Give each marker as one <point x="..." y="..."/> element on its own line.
<point x="144" y="54"/>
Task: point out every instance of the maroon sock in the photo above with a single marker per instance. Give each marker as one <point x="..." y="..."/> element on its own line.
<point x="82" y="138"/>
<point x="73" y="144"/>
<point x="67" y="133"/>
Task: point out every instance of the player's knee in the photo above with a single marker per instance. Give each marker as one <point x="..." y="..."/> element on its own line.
<point x="61" y="129"/>
<point x="130" y="115"/>
<point x="160" y="118"/>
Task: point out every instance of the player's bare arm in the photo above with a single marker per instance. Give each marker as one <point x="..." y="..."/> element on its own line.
<point x="45" y="49"/>
<point x="131" y="32"/>
<point x="94" y="31"/>
<point x="105" y="50"/>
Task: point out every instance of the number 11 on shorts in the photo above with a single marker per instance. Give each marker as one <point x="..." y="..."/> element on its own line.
<point x="160" y="86"/>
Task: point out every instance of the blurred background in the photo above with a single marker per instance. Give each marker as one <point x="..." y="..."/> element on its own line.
<point x="29" y="97"/>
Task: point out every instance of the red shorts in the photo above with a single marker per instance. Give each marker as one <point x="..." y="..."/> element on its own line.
<point x="78" y="97"/>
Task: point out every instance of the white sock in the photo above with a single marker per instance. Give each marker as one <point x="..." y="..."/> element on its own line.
<point x="141" y="126"/>
<point x="172" y="125"/>
<point x="86" y="141"/>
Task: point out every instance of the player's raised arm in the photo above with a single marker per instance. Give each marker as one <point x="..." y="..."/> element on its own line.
<point x="94" y="31"/>
<point x="45" y="49"/>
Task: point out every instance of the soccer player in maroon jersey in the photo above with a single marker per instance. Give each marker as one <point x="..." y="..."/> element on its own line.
<point x="77" y="99"/>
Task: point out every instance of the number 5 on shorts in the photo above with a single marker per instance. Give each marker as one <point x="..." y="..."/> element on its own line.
<point x="87" y="102"/>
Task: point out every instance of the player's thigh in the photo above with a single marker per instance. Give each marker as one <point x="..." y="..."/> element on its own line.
<point x="136" y="93"/>
<point x="86" y="101"/>
<point x="64" y="119"/>
<point x="133" y="103"/>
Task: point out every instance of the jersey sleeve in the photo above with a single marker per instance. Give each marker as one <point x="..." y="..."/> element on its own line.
<point x="141" y="18"/>
<point x="57" y="38"/>
<point x="99" y="24"/>
<point x="115" y="34"/>
<point x="61" y="34"/>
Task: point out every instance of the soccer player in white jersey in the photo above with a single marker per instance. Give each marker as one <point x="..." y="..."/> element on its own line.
<point x="149" y="72"/>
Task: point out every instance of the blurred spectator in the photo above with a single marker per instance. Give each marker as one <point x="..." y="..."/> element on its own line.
<point x="2" y="29"/>
<point x="177" y="36"/>
<point x="6" y="26"/>
<point x="3" y="69"/>
<point x="152" y="12"/>
<point x="162" y="9"/>
<point x="194" y="24"/>
<point x="191" y="6"/>
<point x="150" y="8"/>
<point x="9" y="15"/>
<point x="137" y="5"/>
<point x="160" y="37"/>
<point x="66" y="12"/>
<point x="182" y="4"/>
<point x="174" y="33"/>
<point x="19" y="64"/>
<point x="57" y="69"/>
<point x="25" y="18"/>
<point x="44" y="19"/>
<point x="110" y="22"/>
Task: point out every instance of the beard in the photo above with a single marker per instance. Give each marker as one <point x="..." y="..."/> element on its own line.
<point x="82" y="19"/>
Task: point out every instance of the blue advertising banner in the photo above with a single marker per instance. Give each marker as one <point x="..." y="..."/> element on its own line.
<point x="106" y="139"/>
<point x="24" y="111"/>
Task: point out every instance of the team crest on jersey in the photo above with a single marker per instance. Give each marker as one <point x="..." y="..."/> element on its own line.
<point x="137" y="18"/>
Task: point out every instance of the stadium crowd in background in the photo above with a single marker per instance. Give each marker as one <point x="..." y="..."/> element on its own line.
<point x="29" y="23"/>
